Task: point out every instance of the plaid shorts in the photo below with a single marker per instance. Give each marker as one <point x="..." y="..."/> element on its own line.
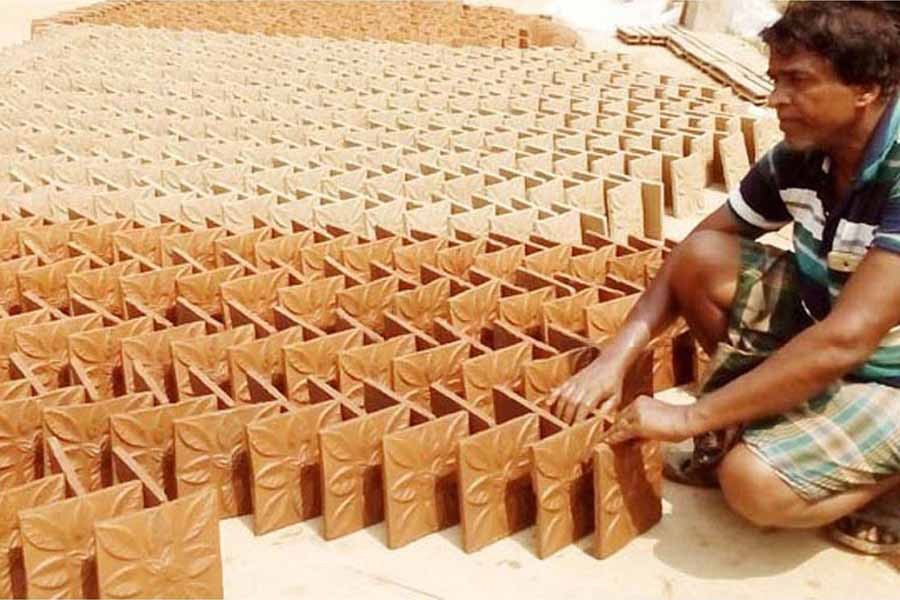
<point x="847" y="436"/>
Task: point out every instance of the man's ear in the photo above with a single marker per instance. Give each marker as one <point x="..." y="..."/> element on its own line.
<point x="867" y="95"/>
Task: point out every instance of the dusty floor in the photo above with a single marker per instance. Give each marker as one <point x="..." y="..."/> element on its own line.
<point x="699" y="549"/>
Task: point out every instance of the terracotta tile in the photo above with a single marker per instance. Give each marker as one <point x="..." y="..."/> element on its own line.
<point x="17" y="389"/>
<point x="315" y="303"/>
<point x="171" y="551"/>
<point x="148" y="436"/>
<point x="568" y="312"/>
<point x="542" y="377"/>
<point x="83" y="433"/>
<point x="473" y="311"/>
<point x="628" y="492"/>
<point x="44" y="348"/>
<point x="8" y="327"/>
<point x="153" y="292"/>
<point x="632" y="267"/>
<point x="358" y="258"/>
<point x="420" y="478"/>
<point x="410" y="258"/>
<point x="285" y="462"/>
<point x="262" y="357"/>
<point x="203" y="290"/>
<point x="96" y="357"/>
<point x="255" y="295"/>
<point x="503" y="368"/>
<point x="422" y="305"/>
<point x="371" y="362"/>
<point x="58" y="540"/>
<point x="207" y="355"/>
<point x="367" y="303"/>
<point x="604" y="320"/>
<point x="210" y="451"/>
<point x="502" y="264"/>
<point x="318" y="358"/>
<point x="523" y="311"/>
<point x="21" y="434"/>
<point x="411" y="375"/>
<point x="496" y="499"/>
<point x="147" y="360"/>
<point x="352" y="458"/>
<point x="12" y="500"/>
<point x="563" y="484"/>
<point x="457" y="260"/>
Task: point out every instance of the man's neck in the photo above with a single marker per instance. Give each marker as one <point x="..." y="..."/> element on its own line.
<point x="848" y="156"/>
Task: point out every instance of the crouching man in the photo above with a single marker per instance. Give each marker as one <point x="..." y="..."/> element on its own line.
<point x="802" y="398"/>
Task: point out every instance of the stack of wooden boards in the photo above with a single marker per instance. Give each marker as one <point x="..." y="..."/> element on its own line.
<point x="450" y="23"/>
<point x="285" y="276"/>
<point x="726" y="58"/>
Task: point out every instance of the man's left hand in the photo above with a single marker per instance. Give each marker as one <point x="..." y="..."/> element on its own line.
<point x="649" y="418"/>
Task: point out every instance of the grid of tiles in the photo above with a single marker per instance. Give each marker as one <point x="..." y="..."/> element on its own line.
<point x="450" y="23"/>
<point x="290" y="276"/>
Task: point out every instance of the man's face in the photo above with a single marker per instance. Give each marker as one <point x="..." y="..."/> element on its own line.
<point x="815" y="109"/>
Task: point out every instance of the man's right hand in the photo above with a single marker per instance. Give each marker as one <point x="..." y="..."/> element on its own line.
<point x="598" y="385"/>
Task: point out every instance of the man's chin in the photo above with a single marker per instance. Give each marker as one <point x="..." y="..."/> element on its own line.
<point x="800" y="144"/>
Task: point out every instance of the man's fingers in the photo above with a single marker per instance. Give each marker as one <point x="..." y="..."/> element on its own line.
<point x="569" y="409"/>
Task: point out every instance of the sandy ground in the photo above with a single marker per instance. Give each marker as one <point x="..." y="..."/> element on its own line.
<point x="700" y="549"/>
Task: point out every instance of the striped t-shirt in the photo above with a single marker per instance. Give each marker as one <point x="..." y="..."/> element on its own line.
<point x="787" y="186"/>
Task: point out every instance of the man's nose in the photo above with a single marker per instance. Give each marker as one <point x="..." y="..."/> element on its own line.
<point x="778" y="97"/>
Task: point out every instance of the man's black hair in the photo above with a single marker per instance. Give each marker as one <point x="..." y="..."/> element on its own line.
<point x="860" y="39"/>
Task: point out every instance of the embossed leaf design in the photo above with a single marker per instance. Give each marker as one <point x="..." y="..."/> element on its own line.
<point x="474" y="309"/>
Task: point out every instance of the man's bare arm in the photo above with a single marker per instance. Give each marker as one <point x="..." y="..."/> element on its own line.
<point x="600" y="384"/>
<point x="657" y="309"/>
<point x="867" y="309"/>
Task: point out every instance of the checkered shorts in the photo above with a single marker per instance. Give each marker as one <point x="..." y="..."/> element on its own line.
<point x="847" y="436"/>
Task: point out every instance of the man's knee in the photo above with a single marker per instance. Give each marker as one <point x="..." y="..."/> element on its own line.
<point x="754" y="491"/>
<point x="707" y="263"/>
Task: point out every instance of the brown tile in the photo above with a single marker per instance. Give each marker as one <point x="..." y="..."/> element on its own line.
<point x="411" y="375"/>
<point x="315" y="303"/>
<point x="12" y="500"/>
<point x="286" y="465"/>
<point x="21" y="436"/>
<point x="496" y="499"/>
<point x="367" y="303"/>
<point x="352" y="458"/>
<point x="83" y="433"/>
<point x="504" y="368"/>
<point x="420" y="478"/>
<point x="207" y="355"/>
<point x="606" y="319"/>
<point x="96" y="356"/>
<point x="147" y="358"/>
<point x="473" y="311"/>
<point x="372" y="362"/>
<point x="315" y="358"/>
<point x="628" y="492"/>
<point x="171" y="551"/>
<point x="422" y="305"/>
<point x="45" y="350"/>
<point x="542" y="377"/>
<point x="564" y="486"/>
<point x="58" y="540"/>
<point x="148" y="436"/>
<point x="262" y="356"/>
<point x="523" y="311"/>
<point x="210" y="451"/>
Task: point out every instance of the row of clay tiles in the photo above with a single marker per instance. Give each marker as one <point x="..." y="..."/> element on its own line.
<point x="727" y="59"/>
<point x="449" y="23"/>
<point x="312" y="329"/>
